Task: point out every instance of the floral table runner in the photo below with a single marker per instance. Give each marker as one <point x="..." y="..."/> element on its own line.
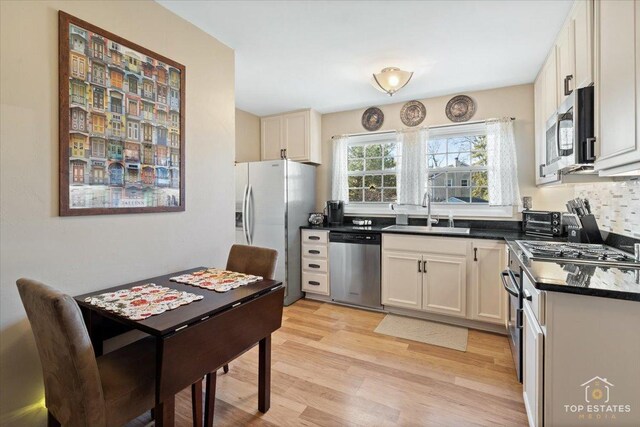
<point x="142" y="301"/>
<point x="217" y="280"/>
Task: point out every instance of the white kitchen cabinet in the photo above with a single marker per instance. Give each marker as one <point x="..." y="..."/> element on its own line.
<point x="444" y="285"/>
<point x="424" y="273"/>
<point x="294" y="135"/>
<point x="617" y="85"/>
<point x="315" y="262"/>
<point x="565" y="62"/>
<point x="402" y="279"/>
<point x="487" y="295"/>
<point x="582" y="34"/>
<point x="532" y="367"/>
<point x="550" y="95"/>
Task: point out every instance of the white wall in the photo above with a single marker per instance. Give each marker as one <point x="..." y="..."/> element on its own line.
<point x="513" y="101"/>
<point x="82" y="254"/>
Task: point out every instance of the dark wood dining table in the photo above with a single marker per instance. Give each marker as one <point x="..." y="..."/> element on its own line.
<point x="197" y="339"/>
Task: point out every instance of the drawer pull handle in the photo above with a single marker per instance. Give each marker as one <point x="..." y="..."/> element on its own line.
<point x="314" y="283"/>
<point x="419" y="264"/>
<point x="475" y="254"/>
<point x="314" y="251"/>
<point x="527" y="295"/>
<point x="314" y="266"/>
<point x="314" y="237"/>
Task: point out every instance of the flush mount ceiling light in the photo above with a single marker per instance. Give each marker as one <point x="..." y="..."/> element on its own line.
<point x="391" y="79"/>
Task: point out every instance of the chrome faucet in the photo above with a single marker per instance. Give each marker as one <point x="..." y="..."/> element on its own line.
<point x="426" y="203"/>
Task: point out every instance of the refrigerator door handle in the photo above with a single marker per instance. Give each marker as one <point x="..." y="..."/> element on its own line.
<point x="249" y="215"/>
<point x="244" y="213"/>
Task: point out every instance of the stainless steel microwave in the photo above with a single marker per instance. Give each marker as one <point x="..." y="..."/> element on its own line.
<point x="569" y="139"/>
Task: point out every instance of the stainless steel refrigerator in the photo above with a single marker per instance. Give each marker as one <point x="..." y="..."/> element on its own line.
<point x="273" y="199"/>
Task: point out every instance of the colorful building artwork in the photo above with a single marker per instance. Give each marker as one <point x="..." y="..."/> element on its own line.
<point x="124" y="125"/>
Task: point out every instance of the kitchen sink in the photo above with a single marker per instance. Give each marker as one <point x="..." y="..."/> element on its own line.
<point x="423" y="229"/>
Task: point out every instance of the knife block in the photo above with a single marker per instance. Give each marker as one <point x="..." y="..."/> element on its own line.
<point x="590" y="230"/>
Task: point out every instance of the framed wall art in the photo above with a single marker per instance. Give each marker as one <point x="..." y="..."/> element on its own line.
<point x="122" y="122"/>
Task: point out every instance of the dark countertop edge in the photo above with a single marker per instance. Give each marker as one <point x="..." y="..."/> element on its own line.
<point x="475" y="233"/>
<point x="621" y="295"/>
<point x="603" y="293"/>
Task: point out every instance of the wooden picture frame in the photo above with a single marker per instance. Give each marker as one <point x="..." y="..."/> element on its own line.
<point x="122" y="124"/>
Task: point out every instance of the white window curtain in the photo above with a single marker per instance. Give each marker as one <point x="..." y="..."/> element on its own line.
<point x="502" y="165"/>
<point x="339" y="182"/>
<point x="412" y="168"/>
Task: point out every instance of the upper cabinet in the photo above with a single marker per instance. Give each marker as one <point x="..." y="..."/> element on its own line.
<point x="294" y="136"/>
<point x="617" y="42"/>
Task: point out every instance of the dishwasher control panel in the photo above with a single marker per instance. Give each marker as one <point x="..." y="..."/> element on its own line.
<point x="362" y="238"/>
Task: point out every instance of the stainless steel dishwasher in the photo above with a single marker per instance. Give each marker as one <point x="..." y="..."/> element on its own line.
<point x="354" y="263"/>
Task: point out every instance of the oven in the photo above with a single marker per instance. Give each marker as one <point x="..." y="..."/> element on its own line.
<point x="512" y="282"/>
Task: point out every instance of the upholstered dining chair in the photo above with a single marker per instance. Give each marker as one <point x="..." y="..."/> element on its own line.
<point x="80" y="389"/>
<point x="248" y="260"/>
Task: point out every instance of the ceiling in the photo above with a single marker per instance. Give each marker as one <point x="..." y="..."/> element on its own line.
<point x="321" y="54"/>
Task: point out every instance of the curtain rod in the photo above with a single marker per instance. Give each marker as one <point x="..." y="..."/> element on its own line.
<point x="384" y="132"/>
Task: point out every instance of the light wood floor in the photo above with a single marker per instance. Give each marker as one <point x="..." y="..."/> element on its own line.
<point x="330" y="369"/>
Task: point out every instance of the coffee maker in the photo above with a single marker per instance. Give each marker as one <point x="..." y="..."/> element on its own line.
<point x="335" y="212"/>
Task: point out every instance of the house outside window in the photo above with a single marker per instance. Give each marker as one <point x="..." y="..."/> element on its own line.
<point x="457" y="165"/>
<point x="147" y="110"/>
<point x="78" y="120"/>
<point x="77" y="146"/>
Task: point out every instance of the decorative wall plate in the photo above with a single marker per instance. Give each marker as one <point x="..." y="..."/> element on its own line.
<point x="460" y="108"/>
<point x="413" y="113"/>
<point x="372" y="119"/>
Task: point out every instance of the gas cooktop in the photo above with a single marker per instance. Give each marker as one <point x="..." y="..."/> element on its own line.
<point x="582" y="253"/>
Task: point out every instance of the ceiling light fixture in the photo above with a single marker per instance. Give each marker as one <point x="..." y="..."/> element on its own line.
<point x="391" y="79"/>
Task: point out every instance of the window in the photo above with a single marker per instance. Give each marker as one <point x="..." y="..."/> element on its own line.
<point x="98" y="124"/>
<point x="116" y="103"/>
<point x="133" y="108"/>
<point x="175" y="120"/>
<point x="133" y="84"/>
<point x="147" y="110"/>
<point x="97" y="147"/>
<point x="98" y="73"/>
<point x="133" y="130"/>
<point x="116" y="79"/>
<point x="147" y="132"/>
<point x="78" y="93"/>
<point x="372" y="171"/>
<point x="98" y="98"/>
<point x="457" y="160"/>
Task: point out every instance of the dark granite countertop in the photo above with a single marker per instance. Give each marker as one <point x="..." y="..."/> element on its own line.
<point x="582" y="279"/>
<point x="474" y="233"/>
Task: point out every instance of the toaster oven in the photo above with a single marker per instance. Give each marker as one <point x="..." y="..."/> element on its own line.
<point x="542" y="223"/>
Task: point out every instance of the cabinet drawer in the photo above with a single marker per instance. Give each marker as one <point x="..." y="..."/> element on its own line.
<point x="314" y="265"/>
<point x="311" y="251"/>
<point x="534" y="298"/>
<point x="439" y="245"/>
<point x="315" y="283"/>
<point x="315" y="237"/>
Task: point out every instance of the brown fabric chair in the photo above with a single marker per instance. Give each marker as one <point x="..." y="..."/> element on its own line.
<point x="80" y="389"/>
<point x="248" y="260"/>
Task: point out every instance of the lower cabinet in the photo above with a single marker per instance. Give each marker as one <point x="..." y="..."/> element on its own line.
<point x="402" y="271"/>
<point x="532" y="367"/>
<point x="450" y="276"/>
<point x="444" y="288"/>
<point x="488" y="299"/>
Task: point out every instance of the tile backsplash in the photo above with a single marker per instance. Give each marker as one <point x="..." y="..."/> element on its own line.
<point x="616" y="205"/>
